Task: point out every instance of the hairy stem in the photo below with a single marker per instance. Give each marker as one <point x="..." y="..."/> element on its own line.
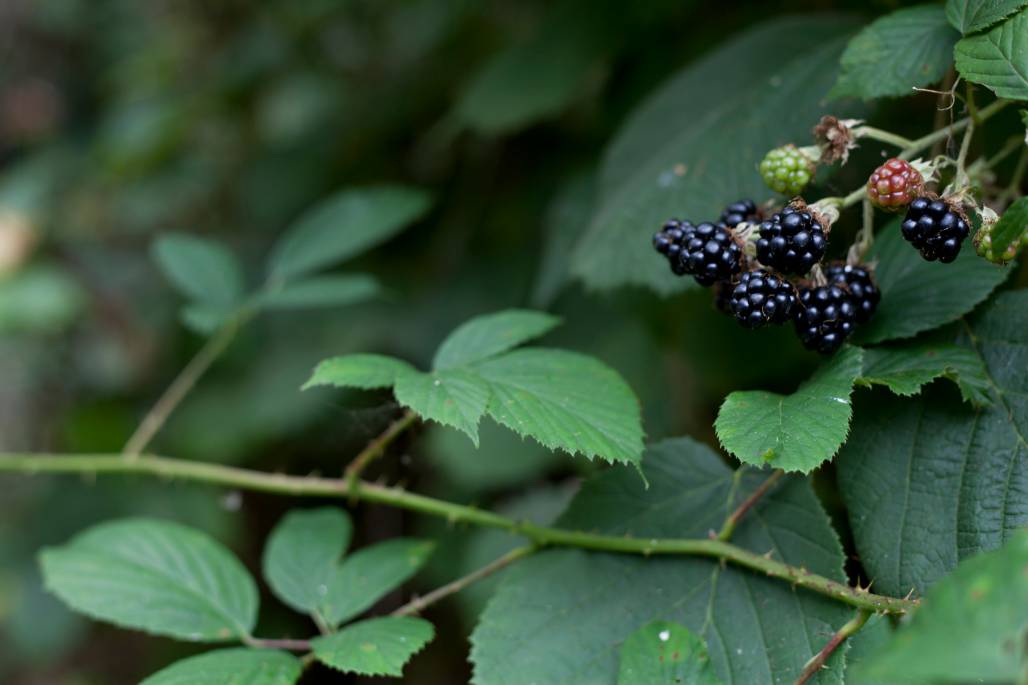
<point x="943" y="133"/>
<point x="725" y="534"/>
<point x="416" y="606"/>
<point x="180" y="387"/>
<point x="455" y="513"/>
<point x="818" y="662"/>
<point x="377" y="447"/>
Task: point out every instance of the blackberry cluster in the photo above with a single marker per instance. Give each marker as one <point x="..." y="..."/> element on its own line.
<point x="791" y="241"/>
<point x="825" y="317"/>
<point x="708" y="252"/>
<point x="858" y="282"/>
<point x="738" y="212"/>
<point x="935" y="229"/>
<point x="761" y="298"/>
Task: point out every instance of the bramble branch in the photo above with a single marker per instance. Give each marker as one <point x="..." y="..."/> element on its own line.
<point x="541" y="536"/>
<point x="821" y="658"/>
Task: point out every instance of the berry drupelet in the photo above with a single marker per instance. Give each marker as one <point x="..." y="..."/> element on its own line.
<point x="761" y="298"/>
<point x="935" y="229"/>
<point x="858" y="281"/>
<point x="894" y="185"/>
<point x="706" y="251"/>
<point x="787" y="170"/>
<point x="791" y="241"/>
<point x="825" y="317"/>
<point x="738" y="212"/>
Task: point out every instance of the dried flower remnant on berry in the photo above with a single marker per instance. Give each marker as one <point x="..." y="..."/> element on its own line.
<point x="835" y="138"/>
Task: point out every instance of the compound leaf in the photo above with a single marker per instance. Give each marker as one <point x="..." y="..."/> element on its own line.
<point x="375" y="647"/>
<point x="998" y="59"/>
<point x="302" y="553"/>
<point x="226" y="666"/>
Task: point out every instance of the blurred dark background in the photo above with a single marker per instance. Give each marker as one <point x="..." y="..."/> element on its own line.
<point x="122" y="119"/>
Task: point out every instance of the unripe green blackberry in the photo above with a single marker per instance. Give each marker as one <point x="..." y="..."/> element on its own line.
<point x="787" y="170"/>
<point x="983" y="245"/>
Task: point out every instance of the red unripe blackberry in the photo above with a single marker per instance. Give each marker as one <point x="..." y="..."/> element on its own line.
<point x="894" y="185"/>
<point x="935" y="229"/>
<point x="706" y="251"/>
<point x="791" y="241"/>
<point x="761" y="298"/>
<point x="824" y="318"/>
<point x="858" y="281"/>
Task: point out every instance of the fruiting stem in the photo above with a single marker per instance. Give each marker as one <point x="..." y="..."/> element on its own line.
<point x="882" y="136"/>
<point x="865" y="238"/>
<point x="416" y="606"/>
<point x="183" y="383"/>
<point x="455" y="513"/>
<point x="821" y="658"/>
<point x="927" y="141"/>
<point x="377" y="447"/>
<point x="725" y="534"/>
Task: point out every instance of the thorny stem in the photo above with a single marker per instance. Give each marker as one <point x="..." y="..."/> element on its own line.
<point x="419" y="604"/>
<point x="818" y="661"/>
<point x="541" y="536"/>
<point x="377" y="447"/>
<point x="180" y="387"/>
<point x="725" y="534"/>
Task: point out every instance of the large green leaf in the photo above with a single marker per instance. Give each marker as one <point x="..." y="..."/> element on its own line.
<point x="970" y="16"/>
<point x="562" y="615"/>
<point x="455" y="397"/>
<point x="345" y="225"/>
<point x="1011" y="226"/>
<point x="911" y="47"/>
<point x="998" y="59"/>
<point x="231" y="667"/>
<point x="918" y="295"/>
<point x="662" y="653"/>
<point x="375" y="647"/>
<point x="367" y="575"/>
<point x="365" y="371"/>
<point x="693" y="146"/>
<point x="565" y="401"/>
<point x="487" y="336"/>
<point x="200" y="269"/>
<point x="154" y="576"/>
<point x="930" y="481"/>
<point x="302" y="553"/>
<point x="322" y="291"/>
<point x="971" y="627"/>
<point x="906" y="368"/>
<point x="794" y="432"/>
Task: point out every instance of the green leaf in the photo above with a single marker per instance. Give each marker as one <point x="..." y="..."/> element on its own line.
<point x="694" y="145"/>
<point x="561" y="616"/>
<point x="930" y="481"/>
<point x="226" y="666"/>
<point x="302" y="554"/>
<point x="662" y="653"/>
<point x="343" y="226"/>
<point x="911" y="47"/>
<point x="375" y="647"/>
<point x="454" y="397"/>
<point x="204" y="318"/>
<point x="918" y="295"/>
<point x="565" y="401"/>
<point x="154" y="576"/>
<point x="998" y="59"/>
<point x="39" y="298"/>
<point x="906" y="368"/>
<point x="200" y="269"/>
<point x="794" y="432"/>
<point x="1011" y="226"/>
<point x="971" y="16"/>
<point x="366" y="576"/>
<point x="489" y="335"/>
<point x="971" y="627"/>
<point x="322" y="291"/>
<point x="365" y="371"/>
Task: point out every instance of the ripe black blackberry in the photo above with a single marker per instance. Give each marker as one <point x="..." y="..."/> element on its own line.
<point x="738" y="212"/>
<point x="825" y="316"/>
<point x="858" y="281"/>
<point x="791" y="241"/>
<point x="761" y="298"/>
<point x="935" y="229"/>
<point x="707" y="251"/>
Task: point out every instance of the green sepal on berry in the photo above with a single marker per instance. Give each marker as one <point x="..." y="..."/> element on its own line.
<point x="788" y="169"/>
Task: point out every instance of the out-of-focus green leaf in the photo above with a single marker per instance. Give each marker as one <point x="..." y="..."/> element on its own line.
<point x="322" y="291"/>
<point x="905" y="369"/>
<point x="344" y="225"/>
<point x="489" y="335"/>
<point x="226" y="666"/>
<point x="970" y="16"/>
<point x="302" y="553"/>
<point x="998" y="59"/>
<point x="375" y="647"/>
<point x="200" y="269"/>
<point x="663" y="653"/>
<point x="567" y="218"/>
<point x="39" y="298"/>
<point x="911" y="47"/>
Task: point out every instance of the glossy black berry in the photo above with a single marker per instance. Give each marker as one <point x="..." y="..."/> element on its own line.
<point x="824" y="318"/>
<point x="859" y="282"/>
<point x="761" y="298"/>
<point x="706" y="251"/>
<point x="738" y="212"/>
<point x="934" y="229"/>
<point x="791" y="241"/>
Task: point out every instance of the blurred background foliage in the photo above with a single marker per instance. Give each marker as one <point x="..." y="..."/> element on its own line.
<point x="121" y="119"/>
